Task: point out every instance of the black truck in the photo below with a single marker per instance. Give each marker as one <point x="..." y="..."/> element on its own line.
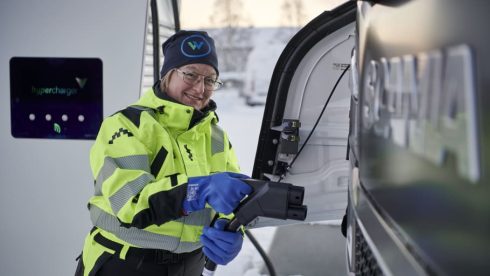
<point x="381" y="107"/>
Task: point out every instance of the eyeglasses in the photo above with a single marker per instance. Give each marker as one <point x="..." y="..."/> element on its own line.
<point x="192" y="78"/>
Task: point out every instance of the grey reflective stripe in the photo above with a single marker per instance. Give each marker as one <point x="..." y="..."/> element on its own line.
<point x="125" y="193"/>
<point x="199" y="218"/>
<point x="140" y="107"/>
<point x="144" y="108"/>
<point x="133" y="162"/>
<point x="140" y="237"/>
<point x="217" y="139"/>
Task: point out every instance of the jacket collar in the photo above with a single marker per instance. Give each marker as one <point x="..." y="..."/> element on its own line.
<point x="174" y="114"/>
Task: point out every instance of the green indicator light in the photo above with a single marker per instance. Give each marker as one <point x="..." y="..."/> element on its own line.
<point x="56" y="128"/>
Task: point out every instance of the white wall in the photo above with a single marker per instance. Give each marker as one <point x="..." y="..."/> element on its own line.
<point x="45" y="184"/>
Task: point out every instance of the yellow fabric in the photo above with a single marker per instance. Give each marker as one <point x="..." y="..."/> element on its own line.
<point x="169" y="130"/>
<point x="92" y="252"/>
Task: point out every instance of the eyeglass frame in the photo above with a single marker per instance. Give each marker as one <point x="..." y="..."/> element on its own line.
<point x="215" y="86"/>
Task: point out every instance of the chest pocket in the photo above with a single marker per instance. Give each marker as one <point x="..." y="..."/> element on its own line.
<point x="203" y="153"/>
<point x="194" y="153"/>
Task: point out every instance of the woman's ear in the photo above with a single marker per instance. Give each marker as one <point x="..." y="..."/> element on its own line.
<point x="164" y="81"/>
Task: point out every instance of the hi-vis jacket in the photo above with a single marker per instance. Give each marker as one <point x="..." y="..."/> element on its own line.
<point x="141" y="160"/>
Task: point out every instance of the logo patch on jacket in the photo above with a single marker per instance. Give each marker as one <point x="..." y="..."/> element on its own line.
<point x="118" y="134"/>
<point x="189" y="153"/>
<point x="192" y="191"/>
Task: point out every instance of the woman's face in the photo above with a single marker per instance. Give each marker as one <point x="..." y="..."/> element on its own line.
<point x="192" y="93"/>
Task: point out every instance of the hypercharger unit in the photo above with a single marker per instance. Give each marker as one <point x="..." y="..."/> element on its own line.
<point x="56" y="98"/>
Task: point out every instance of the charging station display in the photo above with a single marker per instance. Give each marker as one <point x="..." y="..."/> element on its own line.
<point x="55" y="98"/>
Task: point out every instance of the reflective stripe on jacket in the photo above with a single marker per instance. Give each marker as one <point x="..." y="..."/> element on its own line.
<point x="141" y="160"/>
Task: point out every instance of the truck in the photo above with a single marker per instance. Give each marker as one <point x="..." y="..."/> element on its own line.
<point x="379" y="107"/>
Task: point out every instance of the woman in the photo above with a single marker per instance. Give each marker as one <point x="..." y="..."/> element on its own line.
<point x="163" y="168"/>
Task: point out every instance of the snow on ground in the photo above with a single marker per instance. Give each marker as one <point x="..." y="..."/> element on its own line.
<point x="242" y="123"/>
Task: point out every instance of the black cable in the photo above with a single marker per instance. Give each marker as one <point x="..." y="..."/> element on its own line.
<point x="263" y="254"/>
<point x="156" y="40"/>
<point x="317" y="120"/>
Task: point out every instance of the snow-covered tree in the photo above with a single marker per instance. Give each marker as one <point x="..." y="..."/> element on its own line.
<point x="292" y="13"/>
<point x="233" y="42"/>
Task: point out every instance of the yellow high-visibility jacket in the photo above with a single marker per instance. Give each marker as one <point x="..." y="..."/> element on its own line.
<point x="141" y="160"/>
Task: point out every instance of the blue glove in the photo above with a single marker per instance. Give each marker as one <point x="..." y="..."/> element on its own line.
<point x="221" y="246"/>
<point x="223" y="191"/>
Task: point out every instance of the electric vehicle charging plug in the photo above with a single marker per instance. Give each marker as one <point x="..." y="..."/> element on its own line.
<point x="268" y="199"/>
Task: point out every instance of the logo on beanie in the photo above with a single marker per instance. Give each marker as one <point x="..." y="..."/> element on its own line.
<point x="195" y="46"/>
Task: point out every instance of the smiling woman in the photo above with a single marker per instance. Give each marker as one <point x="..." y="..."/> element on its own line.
<point x="185" y="85"/>
<point x="190" y="57"/>
<point x="163" y="168"/>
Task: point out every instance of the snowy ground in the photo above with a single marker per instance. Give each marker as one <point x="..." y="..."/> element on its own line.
<point x="242" y="124"/>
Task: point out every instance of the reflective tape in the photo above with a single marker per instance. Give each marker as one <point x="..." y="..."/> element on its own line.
<point x="145" y="108"/>
<point x="217" y="139"/>
<point x="199" y="218"/>
<point x="140" y="237"/>
<point x="125" y="193"/>
<point x="133" y="162"/>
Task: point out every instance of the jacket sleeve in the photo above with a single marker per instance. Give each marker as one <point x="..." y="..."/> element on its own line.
<point x="126" y="168"/>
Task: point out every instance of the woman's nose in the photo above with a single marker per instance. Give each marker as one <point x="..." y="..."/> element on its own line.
<point x="199" y="85"/>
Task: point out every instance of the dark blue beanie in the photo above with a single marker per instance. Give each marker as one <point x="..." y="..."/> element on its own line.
<point x="187" y="47"/>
